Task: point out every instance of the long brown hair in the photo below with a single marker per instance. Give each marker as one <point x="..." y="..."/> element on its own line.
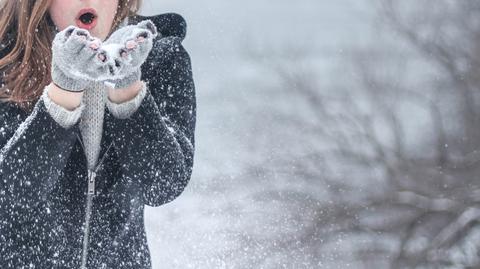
<point x="25" y="25"/>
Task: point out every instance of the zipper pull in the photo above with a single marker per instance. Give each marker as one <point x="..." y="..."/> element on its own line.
<point x="91" y="181"/>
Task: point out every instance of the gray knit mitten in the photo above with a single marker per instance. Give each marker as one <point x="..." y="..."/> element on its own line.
<point x="126" y="50"/>
<point x="76" y="59"/>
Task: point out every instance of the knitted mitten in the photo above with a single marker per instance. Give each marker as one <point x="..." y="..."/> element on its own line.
<point x="126" y="50"/>
<point x="76" y="59"/>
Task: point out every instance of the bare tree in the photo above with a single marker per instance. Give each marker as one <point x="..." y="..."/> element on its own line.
<point x="404" y="196"/>
<point x="430" y="202"/>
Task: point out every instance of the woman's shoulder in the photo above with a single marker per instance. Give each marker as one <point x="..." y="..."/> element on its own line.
<point x="168" y="51"/>
<point x="167" y="46"/>
<point x="168" y="24"/>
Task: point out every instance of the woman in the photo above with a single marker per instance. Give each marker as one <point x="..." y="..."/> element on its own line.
<point x="97" y="120"/>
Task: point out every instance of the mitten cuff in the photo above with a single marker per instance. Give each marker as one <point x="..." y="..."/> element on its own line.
<point x="67" y="83"/>
<point x="126" y="109"/>
<point x="66" y="118"/>
<point x="128" y="80"/>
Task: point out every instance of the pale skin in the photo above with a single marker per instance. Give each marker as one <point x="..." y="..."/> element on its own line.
<point x="63" y="14"/>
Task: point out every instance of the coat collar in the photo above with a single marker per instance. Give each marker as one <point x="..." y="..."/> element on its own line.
<point x="168" y="24"/>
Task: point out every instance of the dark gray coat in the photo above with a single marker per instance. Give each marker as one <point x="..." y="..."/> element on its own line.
<point x="146" y="159"/>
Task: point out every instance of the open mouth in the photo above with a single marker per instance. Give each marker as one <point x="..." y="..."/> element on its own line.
<point x="87" y="18"/>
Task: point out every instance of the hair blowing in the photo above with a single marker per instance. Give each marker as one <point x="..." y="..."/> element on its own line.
<point x="26" y="34"/>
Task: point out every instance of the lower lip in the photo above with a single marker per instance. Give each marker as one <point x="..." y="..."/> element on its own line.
<point x="87" y="26"/>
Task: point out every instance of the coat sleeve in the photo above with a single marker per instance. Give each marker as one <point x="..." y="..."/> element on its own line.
<point x="34" y="150"/>
<point x="155" y="144"/>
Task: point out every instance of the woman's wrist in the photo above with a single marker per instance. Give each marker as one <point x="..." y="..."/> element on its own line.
<point x="67" y="99"/>
<point x="118" y="96"/>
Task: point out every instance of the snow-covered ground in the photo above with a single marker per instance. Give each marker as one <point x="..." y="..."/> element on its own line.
<point x="216" y="223"/>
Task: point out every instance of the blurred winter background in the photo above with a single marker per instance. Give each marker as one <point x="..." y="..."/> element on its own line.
<point x="330" y="134"/>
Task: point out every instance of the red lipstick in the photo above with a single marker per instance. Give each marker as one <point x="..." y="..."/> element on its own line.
<point x="86" y="18"/>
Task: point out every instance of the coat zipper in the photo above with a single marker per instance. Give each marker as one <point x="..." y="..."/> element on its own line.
<point x="91" y="175"/>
